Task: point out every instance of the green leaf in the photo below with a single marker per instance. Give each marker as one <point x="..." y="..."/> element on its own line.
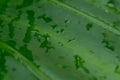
<point x="59" y="40"/>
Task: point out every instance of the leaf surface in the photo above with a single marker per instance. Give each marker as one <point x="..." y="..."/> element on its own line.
<point x="59" y="40"/>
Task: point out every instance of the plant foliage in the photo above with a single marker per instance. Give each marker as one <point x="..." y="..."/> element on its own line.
<point x="59" y="40"/>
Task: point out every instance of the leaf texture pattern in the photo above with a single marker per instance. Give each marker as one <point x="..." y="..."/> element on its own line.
<point x="59" y="40"/>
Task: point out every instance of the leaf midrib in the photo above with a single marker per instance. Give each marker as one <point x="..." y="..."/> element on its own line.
<point x="94" y="19"/>
<point x="40" y="74"/>
<point x="105" y="7"/>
